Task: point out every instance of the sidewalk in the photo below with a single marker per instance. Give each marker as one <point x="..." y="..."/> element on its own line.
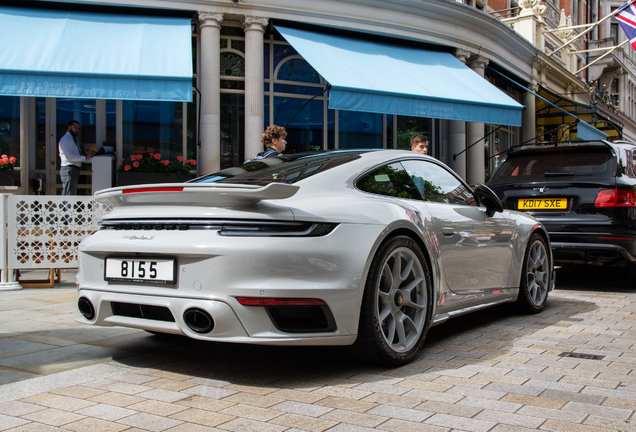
<point x="494" y="371"/>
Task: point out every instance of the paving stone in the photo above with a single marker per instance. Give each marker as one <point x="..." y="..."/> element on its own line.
<point x="202" y="417"/>
<point x="399" y="401"/>
<point x="95" y="425"/>
<point x="611" y="423"/>
<point x="560" y="426"/>
<point x="461" y="423"/>
<point x="163" y="395"/>
<point x="106" y="412"/>
<point x="17" y="408"/>
<point x="346" y="404"/>
<point x="355" y="418"/>
<point x="66" y="403"/>
<point x="598" y="410"/>
<point x="509" y="418"/>
<point x="409" y="414"/>
<point x="543" y="402"/>
<point x="149" y="422"/>
<point x="573" y="397"/>
<point x="207" y="391"/>
<point x="477" y="393"/>
<point x="7" y="422"/>
<point x="53" y="417"/>
<point x="251" y="412"/>
<point x="157" y="407"/>
<point x="205" y="403"/>
<point x="552" y="414"/>
<point x="169" y="384"/>
<point x="246" y="425"/>
<point x="116" y="399"/>
<point x="381" y="387"/>
<point x="447" y="408"/>
<point x="489" y="404"/>
<point x="306" y="423"/>
<point x="396" y="425"/>
<point x="301" y="408"/>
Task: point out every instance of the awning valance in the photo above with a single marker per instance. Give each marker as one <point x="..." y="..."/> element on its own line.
<point x="55" y="53"/>
<point x="389" y="79"/>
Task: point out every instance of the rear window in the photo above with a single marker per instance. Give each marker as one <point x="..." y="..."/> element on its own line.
<point x="555" y="163"/>
<point x="283" y="169"/>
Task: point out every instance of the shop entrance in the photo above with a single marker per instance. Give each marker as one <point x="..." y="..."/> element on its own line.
<point x="97" y="129"/>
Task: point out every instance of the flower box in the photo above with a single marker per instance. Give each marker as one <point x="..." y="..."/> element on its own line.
<point x="9" y="177"/>
<point x="135" y="178"/>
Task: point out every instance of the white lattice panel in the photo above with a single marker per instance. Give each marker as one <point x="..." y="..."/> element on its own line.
<point x="44" y="231"/>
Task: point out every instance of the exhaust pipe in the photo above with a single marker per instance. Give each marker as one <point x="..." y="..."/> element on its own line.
<point x="86" y="308"/>
<point x="198" y="320"/>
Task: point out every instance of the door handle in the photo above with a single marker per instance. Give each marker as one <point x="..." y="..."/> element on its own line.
<point x="448" y="231"/>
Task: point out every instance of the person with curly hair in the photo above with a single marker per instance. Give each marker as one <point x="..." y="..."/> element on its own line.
<point x="274" y="140"/>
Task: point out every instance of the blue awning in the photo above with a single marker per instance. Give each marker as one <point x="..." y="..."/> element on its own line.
<point x="51" y="53"/>
<point x="390" y="79"/>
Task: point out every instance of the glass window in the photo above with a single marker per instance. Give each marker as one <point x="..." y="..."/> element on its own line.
<point x="82" y="110"/>
<point x="111" y="123"/>
<point x="359" y="130"/>
<point x="391" y="180"/>
<point x="555" y="163"/>
<point x="266" y="60"/>
<point x="436" y="184"/>
<point x="10" y="127"/>
<point x="153" y="127"/>
<point x="298" y="70"/>
<point x="40" y="115"/>
<point x="232" y="64"/>
<point x="192" y="130"/>
<point x="409" y="126"/>
<point x="305" y="131"/>
<point x="281" y="52"/>
<point x="281" y="169"/>
<point x="232" y="127"/>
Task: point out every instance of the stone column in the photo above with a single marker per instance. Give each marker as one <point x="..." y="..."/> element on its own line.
<point x="254" y="28"/>
<point x="457" y="133"/>
<point x="475" y="160"/>
<point x="209" y="76"/>
<point x="529" y="115"/>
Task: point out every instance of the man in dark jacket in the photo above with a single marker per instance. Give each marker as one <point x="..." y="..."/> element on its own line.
<point x="274" y="140"/>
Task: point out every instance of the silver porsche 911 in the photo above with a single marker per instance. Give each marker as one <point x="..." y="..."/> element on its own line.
<point x="364" y="248"/>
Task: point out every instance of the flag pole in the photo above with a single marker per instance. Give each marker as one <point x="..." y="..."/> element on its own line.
<point x="591" y="28"/>
<point x="603" y="56"/>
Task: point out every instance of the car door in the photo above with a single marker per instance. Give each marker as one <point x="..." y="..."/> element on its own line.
<point x="475" y="248"/>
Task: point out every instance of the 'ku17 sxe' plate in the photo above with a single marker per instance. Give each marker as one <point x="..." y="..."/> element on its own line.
<point x="543" y="204"/>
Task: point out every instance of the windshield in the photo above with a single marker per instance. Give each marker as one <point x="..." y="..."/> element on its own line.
<point x="555" y="163"/>
<point x="282" y="169"/>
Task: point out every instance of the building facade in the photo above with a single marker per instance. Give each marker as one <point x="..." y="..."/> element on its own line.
<point x="246" y="75"/>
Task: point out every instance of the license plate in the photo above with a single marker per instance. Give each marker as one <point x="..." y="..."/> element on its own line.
<point x="543" y="204"/>
<point x="140" y="270"/>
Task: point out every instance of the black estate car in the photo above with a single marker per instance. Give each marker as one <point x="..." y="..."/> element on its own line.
<point x="584" y="193"/>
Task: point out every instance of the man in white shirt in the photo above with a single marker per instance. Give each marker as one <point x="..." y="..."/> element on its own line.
<point x="72" y="155"/>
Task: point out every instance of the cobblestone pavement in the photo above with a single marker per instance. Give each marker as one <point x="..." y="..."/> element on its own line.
<point x="494" y="371"/>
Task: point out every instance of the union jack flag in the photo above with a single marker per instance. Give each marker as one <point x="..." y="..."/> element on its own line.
<point x="627" y="19"/>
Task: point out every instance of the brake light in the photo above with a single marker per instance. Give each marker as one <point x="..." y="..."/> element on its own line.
<point x="154" y="189"/>
<point x="616" y="198"/>
<point x="275" y="301"/>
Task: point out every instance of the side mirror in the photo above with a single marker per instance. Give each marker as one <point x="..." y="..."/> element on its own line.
<point x="488" y="198"/>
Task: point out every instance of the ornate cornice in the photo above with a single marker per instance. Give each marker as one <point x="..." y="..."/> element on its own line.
<point x="478" y="62"/>
<point x="559" y="73"/>
<point x="210" y="19"/>
<point x="255" y="23"/>
<point x="462" y="55"/>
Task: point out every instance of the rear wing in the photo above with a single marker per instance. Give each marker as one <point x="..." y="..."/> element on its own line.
<point x="194" y="194"/>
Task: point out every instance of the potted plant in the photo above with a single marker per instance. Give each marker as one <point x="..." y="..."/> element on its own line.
<point x="8" y="176"/>
<point x="152" y="168"/>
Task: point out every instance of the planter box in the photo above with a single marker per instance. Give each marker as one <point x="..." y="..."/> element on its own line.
<point x="9" y="178"/>
<point x="136" y="178"/>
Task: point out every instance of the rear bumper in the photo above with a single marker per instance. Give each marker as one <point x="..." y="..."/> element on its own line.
<point x="590" y="253"/>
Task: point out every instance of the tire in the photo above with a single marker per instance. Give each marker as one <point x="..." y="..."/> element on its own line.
<point x="535" y="276"/>
<point x="396" y="307"/>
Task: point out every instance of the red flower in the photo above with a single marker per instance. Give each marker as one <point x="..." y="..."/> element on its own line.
<point x="166" y="162"/>
<point x="157" y="156"/>
<point x="127" y="168"/>
<point x="136" y="164"/>
<point x="5" y="159"/>
<point x="180" y="158"/>
<point x="12" y="160"/>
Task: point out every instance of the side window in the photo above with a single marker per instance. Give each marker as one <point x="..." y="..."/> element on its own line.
<point x="436" y="184"/>
<point x="390" y="180"/>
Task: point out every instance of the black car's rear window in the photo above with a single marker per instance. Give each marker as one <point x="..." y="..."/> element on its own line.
<point x="282" y="169"/>
<point x="554" y="163"/>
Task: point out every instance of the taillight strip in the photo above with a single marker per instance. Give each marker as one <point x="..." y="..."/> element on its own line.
<point x="153" y="189"/>
<point x="277" y="301"/>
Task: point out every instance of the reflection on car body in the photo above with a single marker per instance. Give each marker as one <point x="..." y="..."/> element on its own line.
<point x="328" y="248"/>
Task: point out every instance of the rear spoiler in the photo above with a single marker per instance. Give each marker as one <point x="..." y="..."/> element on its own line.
<point x="198" y="194"/>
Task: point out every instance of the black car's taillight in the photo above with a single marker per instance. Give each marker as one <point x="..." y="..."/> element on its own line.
<point x="616" y="198"/>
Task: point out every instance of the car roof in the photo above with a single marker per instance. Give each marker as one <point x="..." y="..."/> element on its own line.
<point x="569" y="144"/>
